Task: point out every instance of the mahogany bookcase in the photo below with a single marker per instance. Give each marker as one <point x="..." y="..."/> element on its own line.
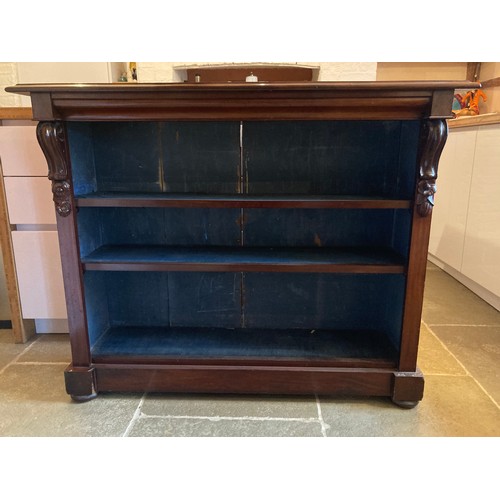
<point x="244" y="238"/>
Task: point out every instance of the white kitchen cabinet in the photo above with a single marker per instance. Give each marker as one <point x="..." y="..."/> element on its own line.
<point x="449" y="217"/>
<point x="481" y="259"/>
<point x="39" y="274"/>
<point x="29" y="200"/>
<point x="20" y="153"/>
<point x="465" y="231"/>
<point x="32" y="222"/>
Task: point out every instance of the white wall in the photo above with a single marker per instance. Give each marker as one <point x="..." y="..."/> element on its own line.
<point x="53" y="72"/>
<point x="83" y="72"/>
<point x="8" y="76"/>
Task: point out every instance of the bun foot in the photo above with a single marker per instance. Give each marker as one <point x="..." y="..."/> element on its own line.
<point x="407" y="405"/>
<point x="408" y="389"/>
<point x="83" y="399"/>
<point x="80" y="383"/>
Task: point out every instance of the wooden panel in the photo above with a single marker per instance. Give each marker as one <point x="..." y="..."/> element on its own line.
<point x="212" y="259"/>
<point x="278" y="101"/>
<point x="38" y="265"/>
<point x="239" y="74"/>
<point x="20" y="153"/>
<point x="222" y="201"/>
<point x="244" y="379"/>
<point x="15" y="113"/>
<point x="29" y="200"/>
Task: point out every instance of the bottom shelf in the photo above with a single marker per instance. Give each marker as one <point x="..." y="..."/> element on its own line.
<point x="329" y="347"/>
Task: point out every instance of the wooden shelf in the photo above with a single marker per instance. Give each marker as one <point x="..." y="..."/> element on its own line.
<point x="244" y="259"/>
<point x="191" y="345"/>
<point x="16" y="113"/>
<point x="472" y="121"/>
<point x="235" y="201"/>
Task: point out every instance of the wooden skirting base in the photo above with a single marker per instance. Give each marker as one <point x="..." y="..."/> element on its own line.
<point x="405" y="389"/>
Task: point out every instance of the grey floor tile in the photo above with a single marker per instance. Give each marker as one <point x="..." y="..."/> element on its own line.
<point x="8" y="349"/>
<point x="196" y="427"/>
<point x="48" y="348"/>
<point x="33" y="402"/>
<point x="478" y="348"/>
<point x="446" y="301"/>
<point x="452" y="406"/>
<point x="432" y="267"/>
<point x="230" y="406"/>
<point x="433" y="358"/>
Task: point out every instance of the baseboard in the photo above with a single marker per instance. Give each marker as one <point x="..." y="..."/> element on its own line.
<point x="51" y="325"/>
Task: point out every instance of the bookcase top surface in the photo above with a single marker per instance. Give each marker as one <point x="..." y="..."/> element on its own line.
<point x="399" y="100"/>
<point x="375" y="86"/>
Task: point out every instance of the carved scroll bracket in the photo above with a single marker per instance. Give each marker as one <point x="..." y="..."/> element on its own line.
<point x="434" y="137"/>
<point x="52" y="139"/>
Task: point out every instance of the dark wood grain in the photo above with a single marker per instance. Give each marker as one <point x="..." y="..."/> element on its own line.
<point x="239" y="201"/>
<point x="231" y="379"/>
<point x="236" y="259"/>
<point x="53" y="141"/>
<point x="239" y="74"/>
<point x="435" y="133"/>
<point x="247" y="293"/>
<point x="15" y="113"/>
<point x="493" y="82"/>
<point x="433" y="137"/>
<point x="244" y="101"/>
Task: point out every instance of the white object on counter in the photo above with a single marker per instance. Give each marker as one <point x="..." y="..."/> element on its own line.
<point x="251" y="78"/>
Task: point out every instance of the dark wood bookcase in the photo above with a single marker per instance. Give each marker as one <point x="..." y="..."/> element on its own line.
<point x="244" y="238"/>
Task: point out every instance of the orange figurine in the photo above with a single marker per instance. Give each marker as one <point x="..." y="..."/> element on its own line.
<point x="472" y="100"/>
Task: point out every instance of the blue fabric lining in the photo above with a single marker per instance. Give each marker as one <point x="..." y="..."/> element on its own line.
<point x="221" y="342"/>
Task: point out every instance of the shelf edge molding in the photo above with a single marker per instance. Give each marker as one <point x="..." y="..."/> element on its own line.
<point x="241" y="260"/>
<point x="167" y="200"/>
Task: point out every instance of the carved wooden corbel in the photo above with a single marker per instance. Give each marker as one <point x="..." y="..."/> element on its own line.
<point x="52" y="139"/>
<point x="434" y="134"/>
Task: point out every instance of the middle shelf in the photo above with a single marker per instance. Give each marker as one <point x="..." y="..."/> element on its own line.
<point x="365" y="260"/>
<point x="183" y="200"/>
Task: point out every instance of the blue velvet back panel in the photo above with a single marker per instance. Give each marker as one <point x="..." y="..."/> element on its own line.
<point x="201" y="158"/>
<point x="157" y="226"/>
<point x="245" y="300"/>
<point x="325" y="301"/>
<point x="256" y="228"/>
<point x="326" y="228"/>
<point x="310" y="158"/>
<point x="346" y="158"/>
<point x="81" y="145"/>
<point x="127" y="157"/>
<point x="176" y="157"/>
<point x="372" y="158"/>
